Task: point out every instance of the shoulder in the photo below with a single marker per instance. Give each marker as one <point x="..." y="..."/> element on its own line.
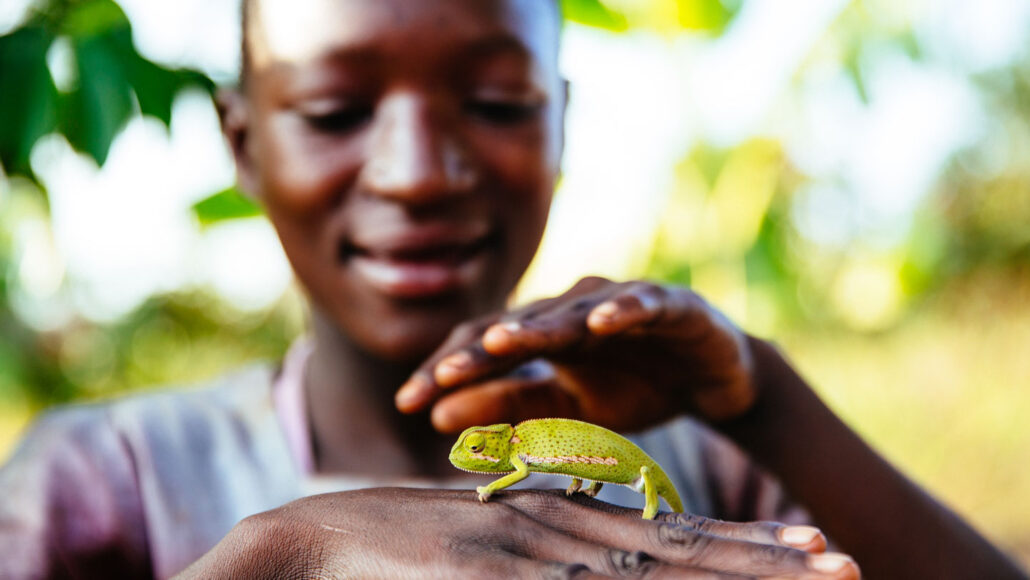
<point x="241" y="397"/>
<point x="89" y="428"/>
<point x="84" y="475"/>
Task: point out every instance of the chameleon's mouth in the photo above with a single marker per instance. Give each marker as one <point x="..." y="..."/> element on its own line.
<point x="484" y="472"/>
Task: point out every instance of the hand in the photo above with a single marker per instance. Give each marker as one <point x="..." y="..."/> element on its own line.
<point x="390" y="533"/>
<point x="623" y="355"/>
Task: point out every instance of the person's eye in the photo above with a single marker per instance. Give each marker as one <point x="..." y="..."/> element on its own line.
<point x="502" y="112"/>
<point x="339" y="119"/>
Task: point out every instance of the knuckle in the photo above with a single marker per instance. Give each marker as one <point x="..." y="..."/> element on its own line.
<point x="647" y="288"/>
<point x="770" y="555"/>
<point x="688" y="543"/>
<point x="466" y="329"/>
<point x="504" y="516"/>
<point x="631" y="564"/>
<point x="691" y="522"/>
<point x="583" y="305"/>
<point x="590" y="283"/>
<point x="542" y="501"/>
<point x="562" y="571"/>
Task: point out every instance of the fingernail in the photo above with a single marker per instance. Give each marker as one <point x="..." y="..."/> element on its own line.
<point x="511" y="327"/>
<point x="497" y="339"/>
<point x="450" y="368"/>
<point x="828" y="563"/>
<point x="457" y="361"/>
<point x="605" y="309"/>
<point x="407" y="396"/>
<point x="798" y="535"/>
<point x="443" y="419"/>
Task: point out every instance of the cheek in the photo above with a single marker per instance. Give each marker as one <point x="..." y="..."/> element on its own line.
<point x="303" y="172"/>
<point x="525" y="165"/>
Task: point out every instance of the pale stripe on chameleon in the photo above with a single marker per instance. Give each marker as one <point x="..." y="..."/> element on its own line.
<point x="571" y="459"/>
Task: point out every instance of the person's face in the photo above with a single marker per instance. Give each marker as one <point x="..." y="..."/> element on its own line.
<point x="406" y="152"/>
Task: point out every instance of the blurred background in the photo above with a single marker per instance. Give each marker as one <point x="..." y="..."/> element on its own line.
<point x="849" y="178"/>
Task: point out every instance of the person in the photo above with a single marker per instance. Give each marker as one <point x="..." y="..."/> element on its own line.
<point x="406" y="154"/>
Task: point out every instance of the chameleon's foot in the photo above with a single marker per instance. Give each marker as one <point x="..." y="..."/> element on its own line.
<point x="574" y="486"/>
<point x="650" y="494"/>
<point x="592" y="488"/>
<point x="484" y="493"/>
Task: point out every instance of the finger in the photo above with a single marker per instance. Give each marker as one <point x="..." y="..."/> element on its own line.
<point x="763" y="532"/>
<point x="501" y="564"/>
<point x="643" y="305"/>
<point x="543" y="326"/>
<point x="555" y="324"/>
<point x="806" y="538"/>
<point x="468" y="364"/>
<point x="422" y="388"/>
<point x="636" y="305"/>
<point x="678" y="544"/>
<point x="504" y="400"/>
<point x="549" y="544"/>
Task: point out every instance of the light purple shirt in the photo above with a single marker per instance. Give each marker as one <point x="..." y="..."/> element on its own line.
<point x="143" y="486"/>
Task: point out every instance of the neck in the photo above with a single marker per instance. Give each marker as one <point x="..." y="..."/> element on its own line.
<point x="355" y="426"/>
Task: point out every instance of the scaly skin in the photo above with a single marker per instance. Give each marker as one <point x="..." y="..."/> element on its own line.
<point x="580" y="450"/>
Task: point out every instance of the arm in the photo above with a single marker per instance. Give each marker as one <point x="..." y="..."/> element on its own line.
<point x="888" y="523"/>
<point x="631" y="355"/>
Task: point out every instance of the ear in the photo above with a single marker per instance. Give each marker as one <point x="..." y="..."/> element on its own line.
<point x="234" y="116"/>
<point x="565" y="88"/>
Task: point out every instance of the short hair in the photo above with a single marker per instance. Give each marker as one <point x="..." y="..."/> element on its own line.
<point x="247" y="8"/>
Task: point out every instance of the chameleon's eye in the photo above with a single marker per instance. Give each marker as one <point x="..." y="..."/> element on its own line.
<point x="475" y="442"/>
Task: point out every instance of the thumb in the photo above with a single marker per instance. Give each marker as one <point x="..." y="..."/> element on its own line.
<point x="503" y="400"/>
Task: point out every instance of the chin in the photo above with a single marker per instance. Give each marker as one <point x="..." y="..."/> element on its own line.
<point x="407" y="338"/>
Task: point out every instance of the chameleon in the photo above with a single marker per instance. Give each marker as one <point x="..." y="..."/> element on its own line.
<point x="581" y="450"/>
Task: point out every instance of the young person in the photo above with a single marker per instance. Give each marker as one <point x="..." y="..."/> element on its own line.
<point x="406" y="153"/>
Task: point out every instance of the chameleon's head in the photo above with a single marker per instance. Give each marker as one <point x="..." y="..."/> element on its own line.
<point x="484" y="449"/>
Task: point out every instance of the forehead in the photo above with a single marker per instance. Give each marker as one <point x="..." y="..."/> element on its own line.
<point x="297" y="31"/>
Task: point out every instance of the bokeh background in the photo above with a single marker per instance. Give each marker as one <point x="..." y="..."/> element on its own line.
<point x="850" y="178"/>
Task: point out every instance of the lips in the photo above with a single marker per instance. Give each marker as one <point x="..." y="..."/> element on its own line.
<point x="422" y="262"/>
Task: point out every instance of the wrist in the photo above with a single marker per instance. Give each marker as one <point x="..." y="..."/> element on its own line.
<point x="780" y="395"/>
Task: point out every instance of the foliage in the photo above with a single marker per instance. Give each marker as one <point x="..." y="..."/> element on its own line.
<point x="110" y="81"/>
<point x="227" y="204"/>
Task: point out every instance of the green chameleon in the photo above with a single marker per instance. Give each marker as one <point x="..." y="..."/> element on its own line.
<point x="581" y="450"/>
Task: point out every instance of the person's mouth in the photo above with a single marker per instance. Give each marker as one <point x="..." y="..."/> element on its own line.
<point x="421" y="263"/>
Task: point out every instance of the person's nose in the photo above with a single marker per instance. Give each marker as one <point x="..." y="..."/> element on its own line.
<point x="416" y="156"/>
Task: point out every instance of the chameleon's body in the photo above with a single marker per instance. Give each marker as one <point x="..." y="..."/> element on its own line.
<point x="581" y="450"/>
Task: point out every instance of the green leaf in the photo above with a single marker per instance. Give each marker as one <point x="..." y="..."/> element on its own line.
<point x="593" y="13"/>
<point x="227" y="204"/>
<point x="93" y="18"/>
<point x="703" y="15"/>
<point x="156" y="87"/>
<point x="28" y="97"/>
<point x="95" y="111"/>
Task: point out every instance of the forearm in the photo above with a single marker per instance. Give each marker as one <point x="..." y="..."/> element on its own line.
<point x="892" y="527"/>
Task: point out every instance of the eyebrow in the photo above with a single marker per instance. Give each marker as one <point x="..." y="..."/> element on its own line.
<point x="496" y="44"/>
<point x="369" y="56"/>
<point x="484" y="47"/>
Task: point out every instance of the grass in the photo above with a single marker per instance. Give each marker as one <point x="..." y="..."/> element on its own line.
<point x="946" y="399"/>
